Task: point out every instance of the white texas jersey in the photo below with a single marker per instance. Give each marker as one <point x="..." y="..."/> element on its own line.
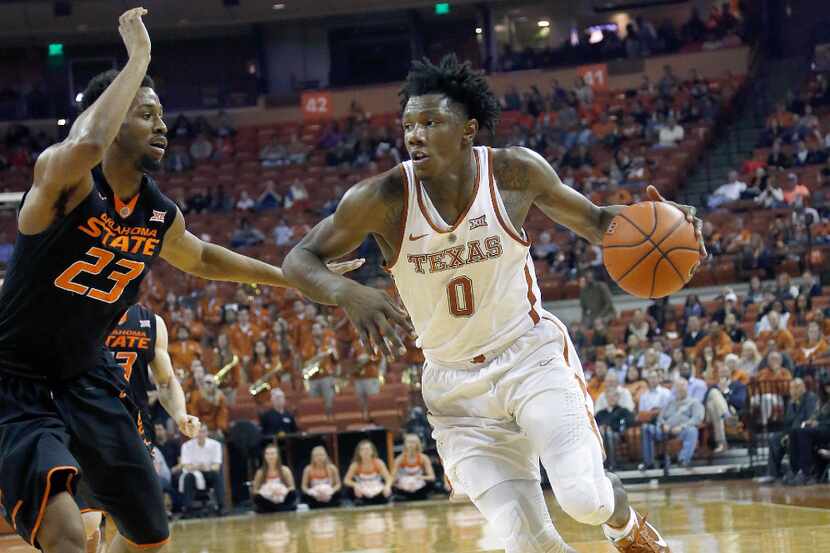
<point x="470" y="287"/>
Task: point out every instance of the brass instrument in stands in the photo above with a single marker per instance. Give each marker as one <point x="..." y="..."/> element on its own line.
<point x="262" y="384"/>
<point x="313" y="366"/>
<point x="226" y="370"/>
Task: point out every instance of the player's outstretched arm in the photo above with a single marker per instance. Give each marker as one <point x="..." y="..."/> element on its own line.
<point x="170" y="390"/>
<point x="192" y="255"/>
<point x="523" y="169"/>
<point x="372" y="207"/>
<point x="66" y="165"/>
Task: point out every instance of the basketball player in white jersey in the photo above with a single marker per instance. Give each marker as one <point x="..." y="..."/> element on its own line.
<point x="502" y="380"/>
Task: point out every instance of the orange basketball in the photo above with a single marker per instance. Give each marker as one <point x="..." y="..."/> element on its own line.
<point x="650" y="249"/>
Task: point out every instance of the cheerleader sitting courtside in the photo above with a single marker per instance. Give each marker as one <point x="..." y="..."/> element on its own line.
<point x="414" y="477"/>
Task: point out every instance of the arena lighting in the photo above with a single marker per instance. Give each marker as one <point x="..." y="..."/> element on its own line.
<point x="79" y="97"/>
<point x="61" y="122"/>
<point x="543" y="23"/>
<point x="442" y="8"/>
<point x="278" y="7"/>
<point x="479" y="30"/>
<point x="56" y="49"/>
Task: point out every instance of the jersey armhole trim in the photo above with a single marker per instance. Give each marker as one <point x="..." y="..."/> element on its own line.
<point x="504" y="220"/>
<point x="404" y="216"/>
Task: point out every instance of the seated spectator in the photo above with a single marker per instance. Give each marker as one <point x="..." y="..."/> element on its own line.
<point x="733" y="330"/>
<point x="801" y="408"/>
<point x="182" y="127"/>
<point x="693" y="334"/>
<point x="782" y="116"/>
<point x="613" y="419"/>
<point x="653" y="399"/>
<point x="680" y="418"/>
<point x="296" y="151"/>
<point x="512" y="100"/>
<point x="654" y="358"/>
<point x="597" y="383"/>
<point x="794" y="190"/>
<point x="412" y="471"/>
<point x="184" y="350"/>
<point x="717" y="339"/>
<point x="612" y="383"/>
<point x="697" y="386"/>
<point x="245" y="202"/>
<point x="595" y="299"/>
<point x="724" y="401"/>
<point x="635" y="383"/>
<point x="321" y="481"/>
<point x="544" y="248"/>
<point x="775" y="371"/>
<point x="813" y="436"/>
<point x="693" y="307"/>
<point x="297" y="197"/>
<point x="670" y="134"/>
<point x="802" y="310"/>
<point x="246" y="235"/>
<point x="201" y="463"/>
<point x="277" y="421"/>
<point x="803" y="156"/>
<point x="750" y="358"/>
<point x="773" y="328"/>
<point x="201" y="149"/>
<point x="269" y="199"/>
<point x="209" y="404"/>
<point x="177" y="160"/>
<point x="368" y="479"/>
<point x="778" y="158"/>
<point x="729" y="192"/>
<point x="283" y="234"/>
<point x="273" y="485"/>
<point x="639" y="326"/>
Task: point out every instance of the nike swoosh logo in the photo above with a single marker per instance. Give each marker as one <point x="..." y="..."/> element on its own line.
<point x="412" y="237"/>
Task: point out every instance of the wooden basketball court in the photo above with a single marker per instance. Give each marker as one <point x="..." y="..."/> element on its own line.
<point x="709" y="517"/>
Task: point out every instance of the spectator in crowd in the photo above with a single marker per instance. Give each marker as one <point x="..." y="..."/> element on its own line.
<point x="810" y="284"/>
<point x="773" y="328"/>
<point x="201" y="149"/>
<point x="697" y="386"/>
<point x="638" y="326"/>
<point x="750" y="358"/>
<point x="246" y="235"/>
<point x="544" y="248"/>
<point x="795" y="190"/>
<point x="245" y="202"/>
<point x="412" y="471"/>
<point x="273" y="154"/>
<point x="653" y="399"/>
<point x="807" y="440"/>
<point x="812" y="348"/>
<point x="209" y="404"/>
<point x="321" y="481"/>
<point x="177" y="160"/>
<point x="801" y="408"/>
<point x="184" y="350"/>
<point x="624" y="399"/>
<point x="731" y="328"/>
<point x="717" y="339"/>
<point x="613" y="419"/>
<point x="169" y="446"/>
<point x="777" y="158"/>
<point x="269" y="199"/>
<point x="635" y="384"/>
<point x="595" y="299"/>
<point x="283" y="234"/>
<point x="597" y="383"/>
<point x="680" y="417"/>
<point x="775" y="371"/>
<point x="671" y="134"/>
<point x="365" y="375"/>
<point x="201" y="463"/>
<point x="273" y="485"/>
<point x="368" y="479"/>
<point x="693" y="334"/>
<point x="729" y="192"/>
<point x="321" y="358"/>
<point x="277" y="421"/>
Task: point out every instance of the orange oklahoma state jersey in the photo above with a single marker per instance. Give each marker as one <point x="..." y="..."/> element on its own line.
<point x="67" y="287"/>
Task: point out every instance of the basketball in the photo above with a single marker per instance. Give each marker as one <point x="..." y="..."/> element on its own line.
<point x="650" y="249"/>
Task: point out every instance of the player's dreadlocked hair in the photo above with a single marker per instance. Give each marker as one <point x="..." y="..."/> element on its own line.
<point x="458" y="82"/>
<point x="99" y="83"/>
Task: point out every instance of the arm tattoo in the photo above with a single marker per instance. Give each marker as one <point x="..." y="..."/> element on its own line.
<point x="512" y="175"/>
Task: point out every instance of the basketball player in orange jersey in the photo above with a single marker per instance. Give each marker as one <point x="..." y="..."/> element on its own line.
<point x="89" y="229"/>
<point x="502" y="380"/>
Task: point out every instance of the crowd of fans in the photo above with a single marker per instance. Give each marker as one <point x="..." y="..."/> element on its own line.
<point x="641" y="38"/>
<point x="671" y="371"/>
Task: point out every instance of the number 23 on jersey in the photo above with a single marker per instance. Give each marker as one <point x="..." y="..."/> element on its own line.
<point x="103" y="258"/>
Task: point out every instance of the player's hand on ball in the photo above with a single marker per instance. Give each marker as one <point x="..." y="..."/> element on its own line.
<point x="375" y="316"/>
<point x="344" y="267"/>
<point x="690" y="211"/>
<point x="189" y="425"/>
<point x="133" y="32"/>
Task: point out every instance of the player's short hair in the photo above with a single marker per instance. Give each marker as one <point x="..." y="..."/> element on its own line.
<point x="99" y="83"/>
<point x="457" y="81"/>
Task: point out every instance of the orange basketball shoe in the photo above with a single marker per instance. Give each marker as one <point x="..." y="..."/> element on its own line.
<point x="642" y="539"/>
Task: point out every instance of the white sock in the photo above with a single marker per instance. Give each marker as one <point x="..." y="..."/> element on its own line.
<point x="616" y="534"/>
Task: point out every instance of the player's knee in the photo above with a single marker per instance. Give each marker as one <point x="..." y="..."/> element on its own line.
<point x="585" y="498"/>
